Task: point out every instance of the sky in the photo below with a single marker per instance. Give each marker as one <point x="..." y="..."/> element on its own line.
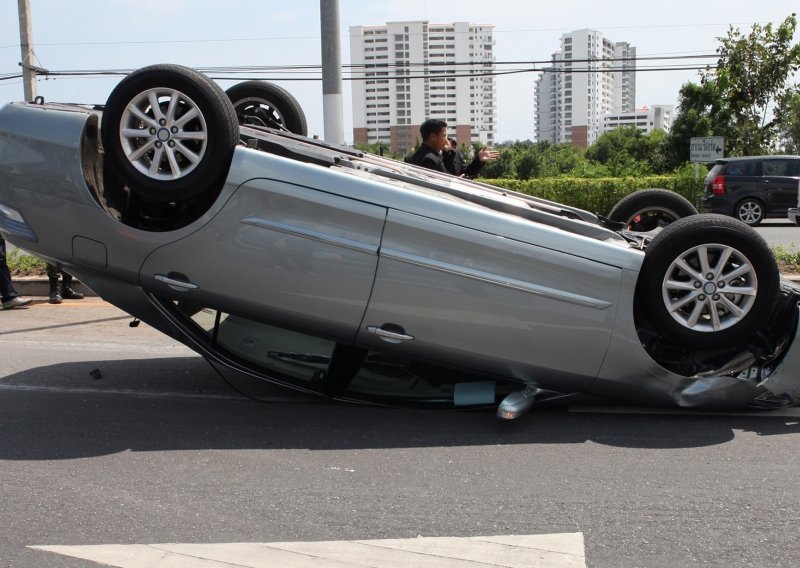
<point x="128" y="34"/>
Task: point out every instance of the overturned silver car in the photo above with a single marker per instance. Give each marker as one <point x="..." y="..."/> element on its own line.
<point x="360" y="278"/>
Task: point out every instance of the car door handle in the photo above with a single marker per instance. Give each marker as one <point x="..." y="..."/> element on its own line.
<point x="389" y="335"/>
<point x="180" y="285"/>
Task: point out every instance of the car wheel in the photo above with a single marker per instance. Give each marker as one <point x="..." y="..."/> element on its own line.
<point x="750" y="211"/>
<point x="169" y="133"/>
<point x="648" y="209"/>
<point x="265" y="104"/>
<point x="708" y="282"/>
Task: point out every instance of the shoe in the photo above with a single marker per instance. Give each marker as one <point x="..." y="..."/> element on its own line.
<point x="55" y="298"/>
<point x="68" y="293"/>
<point x="16" y="303"/>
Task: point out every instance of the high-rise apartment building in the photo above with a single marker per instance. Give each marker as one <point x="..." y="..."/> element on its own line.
<point x="406" y="72"/>
<point x="590" y="77"/>
<point x="656" y="117"/>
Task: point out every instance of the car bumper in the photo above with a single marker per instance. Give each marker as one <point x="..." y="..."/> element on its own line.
<point x="713" y="204"/>
<point x="794" y="215"/>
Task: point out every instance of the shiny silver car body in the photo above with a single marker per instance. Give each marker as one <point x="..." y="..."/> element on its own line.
<point x="355" y="250"/>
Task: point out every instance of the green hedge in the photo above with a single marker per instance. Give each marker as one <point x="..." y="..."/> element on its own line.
<point x="597" y="195"/>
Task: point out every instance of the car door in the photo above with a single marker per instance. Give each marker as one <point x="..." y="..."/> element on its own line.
<point x="277" y="252"/>
<point x="780" y="181"/>
<point x="483" y="302"/>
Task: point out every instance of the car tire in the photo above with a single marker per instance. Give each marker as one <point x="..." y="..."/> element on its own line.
<point x="691" y="270"/>
<point x="750" y="211"/>
<point x="267" y="105"/>
<point x="178" y="151"/>
<point x="648" y="209"/>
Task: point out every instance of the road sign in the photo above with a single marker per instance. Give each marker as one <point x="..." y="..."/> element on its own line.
<point x="706" y="150"/>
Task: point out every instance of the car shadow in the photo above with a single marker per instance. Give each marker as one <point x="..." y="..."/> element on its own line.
<point x="64" y="411"/>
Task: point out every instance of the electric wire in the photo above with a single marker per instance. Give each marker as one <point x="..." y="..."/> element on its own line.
<point x="418" y="70"/>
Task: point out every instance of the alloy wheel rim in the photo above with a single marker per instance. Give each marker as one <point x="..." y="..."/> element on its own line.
<point x="163" y="134"/>
<point x="650" y="218"/>
<point x="260" y="108"/>
<point x="750" y="212"/>
<point x="709" y="288"/>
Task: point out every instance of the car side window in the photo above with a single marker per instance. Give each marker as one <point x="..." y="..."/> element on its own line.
<point x="743" y="168"/>
<point x="776" y="168"/>
<point x="296" y="357"/>
<point x="320" y="365"/>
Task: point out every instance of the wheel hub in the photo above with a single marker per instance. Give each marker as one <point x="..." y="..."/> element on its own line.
<point x="709" y="288"/>
<point x="163" y="134"/>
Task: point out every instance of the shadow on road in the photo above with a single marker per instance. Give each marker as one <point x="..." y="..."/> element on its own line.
<point x="96" y="418"/>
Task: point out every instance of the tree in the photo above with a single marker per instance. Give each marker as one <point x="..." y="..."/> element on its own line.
<point x="789" y="123"/>
<point x="627" y="151"/>
<point x="742" y="98"/>
<point x="700" y="113"/>
<point x="752" y="78"/>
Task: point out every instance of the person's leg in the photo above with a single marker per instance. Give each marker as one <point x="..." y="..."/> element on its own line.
<point x="66" y="289"/>
<point x="52" y="277"/>
<point x="7" y="291"/>
<point x="9" y="297"/>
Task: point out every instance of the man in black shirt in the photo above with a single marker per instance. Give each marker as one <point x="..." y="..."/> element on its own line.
<point x="434" y="140"/>
<point x="438" y="153"/>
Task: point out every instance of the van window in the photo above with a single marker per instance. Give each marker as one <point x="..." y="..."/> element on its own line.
<point x="777" y="167"/>
<point x="742" y="168"/>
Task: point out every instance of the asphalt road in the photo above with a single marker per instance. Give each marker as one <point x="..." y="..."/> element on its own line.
<point x="778" y="232"/>
<point x="115" y="435"/>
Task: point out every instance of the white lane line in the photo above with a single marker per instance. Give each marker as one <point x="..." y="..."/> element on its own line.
<point x="561" y="550"/>
<point x="790" y="412"/>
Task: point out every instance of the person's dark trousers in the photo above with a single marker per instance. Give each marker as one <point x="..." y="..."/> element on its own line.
<point x="7" y="290"/>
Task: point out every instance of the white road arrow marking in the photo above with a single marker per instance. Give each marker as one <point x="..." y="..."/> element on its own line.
<point x="511" y="551"/>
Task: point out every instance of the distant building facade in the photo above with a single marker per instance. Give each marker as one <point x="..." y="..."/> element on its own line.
<point x="645" y="119"/>
<point x="407" y="72"/>
<point x="590" y="77"/>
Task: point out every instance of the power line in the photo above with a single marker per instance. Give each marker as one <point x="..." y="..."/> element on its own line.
<point x="348" y="36"/>
<point x="421" y="70"/>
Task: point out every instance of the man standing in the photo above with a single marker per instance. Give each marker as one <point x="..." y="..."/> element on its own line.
<point x="434" y="140"/>
<point x="443" y="155"/>
<point x="9" y="296"/>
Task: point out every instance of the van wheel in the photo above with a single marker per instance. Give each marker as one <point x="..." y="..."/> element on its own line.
<point x="750" y="211"/>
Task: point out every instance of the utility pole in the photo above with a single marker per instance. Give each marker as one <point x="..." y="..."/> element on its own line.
<point x="331" y="71"/>
<point x="26" y="49"/>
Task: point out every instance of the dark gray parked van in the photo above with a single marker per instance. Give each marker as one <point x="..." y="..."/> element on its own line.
<point x="752" y="188"/>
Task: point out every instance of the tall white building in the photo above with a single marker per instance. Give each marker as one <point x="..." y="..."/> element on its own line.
<point x="645" y="119"/>
<point x="407" y="72"/>
<point x="590" y="77"/>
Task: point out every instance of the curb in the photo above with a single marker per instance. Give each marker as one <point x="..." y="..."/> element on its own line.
<point x="40" y="286"/>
